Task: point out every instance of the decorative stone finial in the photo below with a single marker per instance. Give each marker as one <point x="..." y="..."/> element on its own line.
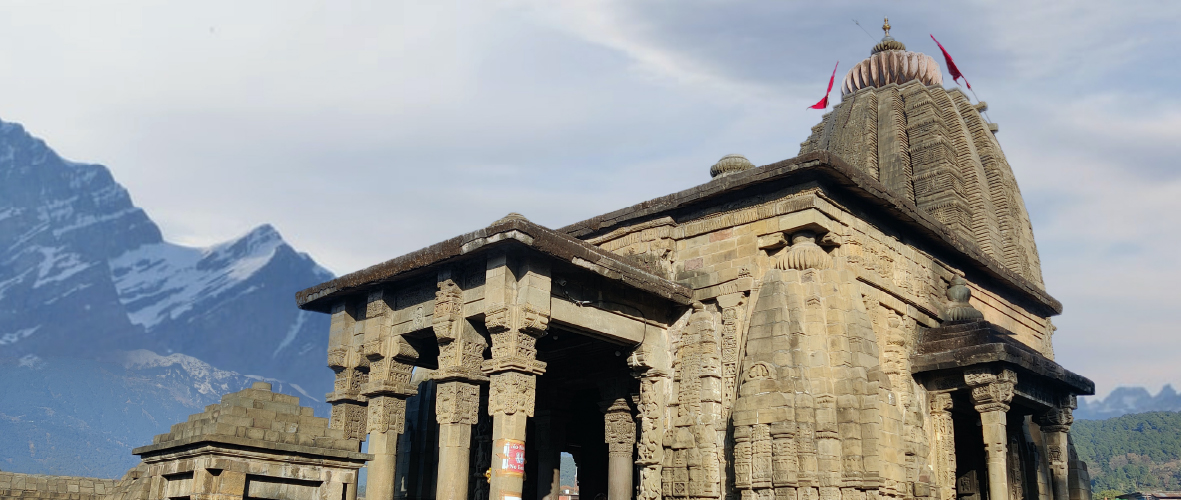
<point x="509" y="217"/>
<point x="888" y="42"/>
<point x="959" y="310"/>
<point x="730" y="164"/>
<point x="804" y="254"/>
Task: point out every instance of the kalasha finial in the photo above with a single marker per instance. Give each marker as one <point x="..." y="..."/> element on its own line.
<point x="888" y="42"/>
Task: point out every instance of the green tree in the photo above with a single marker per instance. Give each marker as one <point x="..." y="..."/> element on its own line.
<point x="1131" y="453"/>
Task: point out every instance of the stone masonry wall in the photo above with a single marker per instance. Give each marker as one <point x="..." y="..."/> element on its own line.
<point x="16" y="485"/>
<point x="795" y="364"/>
<point x="722" y="251"/>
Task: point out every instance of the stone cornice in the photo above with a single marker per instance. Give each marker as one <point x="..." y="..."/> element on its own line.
<point x="834" y="173"/>
<point x="503" y="232"/>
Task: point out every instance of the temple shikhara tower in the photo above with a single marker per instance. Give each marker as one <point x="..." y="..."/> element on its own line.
<point x="866" y="320"/>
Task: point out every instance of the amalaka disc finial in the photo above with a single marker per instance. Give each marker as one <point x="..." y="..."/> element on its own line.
<point x="886" y="25"/>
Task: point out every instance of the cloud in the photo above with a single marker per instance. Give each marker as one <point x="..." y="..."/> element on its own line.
<point x="365" y="130"/>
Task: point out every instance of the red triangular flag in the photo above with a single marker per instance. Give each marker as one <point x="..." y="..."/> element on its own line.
<point x="955" y="72"/>
<point x="824" y="102"/>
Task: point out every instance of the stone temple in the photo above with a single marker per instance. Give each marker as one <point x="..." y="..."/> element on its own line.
<point x="865" y="321"/>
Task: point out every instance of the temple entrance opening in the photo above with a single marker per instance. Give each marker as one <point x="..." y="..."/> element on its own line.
<point x="587" y="386"/>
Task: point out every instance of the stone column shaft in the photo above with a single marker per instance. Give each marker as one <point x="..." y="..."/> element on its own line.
<point x="507" y="432"/>
<point x="384" y="448"/>
<point x="457" y="400"/>
<point x="517" y="297"/>
<point x="619" y="431"/>
<point x="457" y="406"/>
<point x="992" y="391"/>
<point x="454" y="458"/>
<point x="387" y="419"/>
<point x="996" y="451"/>
<point x="1055" y="425"/>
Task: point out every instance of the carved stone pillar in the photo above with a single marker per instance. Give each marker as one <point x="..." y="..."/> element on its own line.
<point x="1055" y="425"/>
<point x="387" y="420"/>
<point x="619" y="431"/>
<point x="457" y="400"/>
<point x="944" y="445"/>
<point x="992" y="391"/>
<point x="345" y="341"/>
<point x="517" y="312"/>
<point x="391" y="361"/>
<point x="649" y="446"/>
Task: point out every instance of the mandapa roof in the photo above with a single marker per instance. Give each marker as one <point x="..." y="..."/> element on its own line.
<point x="504" y="231"/>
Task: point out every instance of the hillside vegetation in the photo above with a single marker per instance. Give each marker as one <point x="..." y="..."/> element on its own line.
<point x="1134" y="452"/>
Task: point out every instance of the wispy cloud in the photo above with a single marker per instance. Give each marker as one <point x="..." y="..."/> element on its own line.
<point x="367" y="130"/>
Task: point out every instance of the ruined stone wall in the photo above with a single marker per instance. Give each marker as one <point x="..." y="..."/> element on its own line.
<point x="14" y="485"/>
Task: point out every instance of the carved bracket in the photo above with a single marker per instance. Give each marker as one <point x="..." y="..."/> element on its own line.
<point x="992" y="389"/>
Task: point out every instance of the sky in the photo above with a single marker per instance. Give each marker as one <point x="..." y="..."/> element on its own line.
<point x="365" y="130"/>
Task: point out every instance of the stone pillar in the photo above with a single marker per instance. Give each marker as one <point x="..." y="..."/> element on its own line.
<point x="650" y="442"/>
<point x="517" y="312"/>
<point x="992" y="391"/>
<point x="457" y="399"/>
<point x="619" y="432"/>
<point x="391" y="361"/>
<point x="944" y="460"/>
<point x="456" y="408"/>
<point x="1055" y="425"/>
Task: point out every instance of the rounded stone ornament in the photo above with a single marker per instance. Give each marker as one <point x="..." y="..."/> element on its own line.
<point x="730" y="164"/>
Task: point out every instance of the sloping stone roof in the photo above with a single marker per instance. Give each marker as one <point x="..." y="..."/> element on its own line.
<point x="978" y="342"/>
<point x="514" y="229"/>
<point x="258" y="418"/>
<point x="834" y="172"/>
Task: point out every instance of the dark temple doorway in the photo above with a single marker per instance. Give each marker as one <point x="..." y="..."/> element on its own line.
<point x="583" y="376"/>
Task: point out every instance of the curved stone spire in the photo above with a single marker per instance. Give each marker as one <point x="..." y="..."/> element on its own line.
<point x="931" y="146"/>
<point x="890" y="62"/>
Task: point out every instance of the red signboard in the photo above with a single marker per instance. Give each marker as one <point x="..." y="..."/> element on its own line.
<point x="513" y="456"/>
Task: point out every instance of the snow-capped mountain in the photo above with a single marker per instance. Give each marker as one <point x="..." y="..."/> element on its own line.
<point x="83" y="416"/>
<point x="84" y="272"/>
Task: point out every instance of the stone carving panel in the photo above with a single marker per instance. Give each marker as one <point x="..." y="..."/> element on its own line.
<point x="512" y="392"/>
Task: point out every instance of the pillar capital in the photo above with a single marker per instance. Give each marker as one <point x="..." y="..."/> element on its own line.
<point x="1055" y="419"/>
<point x="457" y="402"/>
<point x="387" y="413"/>
<point x="511" y="393"/>
<point x="619" y="427"/>
<point x="992" y="389"/>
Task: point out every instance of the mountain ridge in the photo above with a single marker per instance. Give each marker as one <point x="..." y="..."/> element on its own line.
<point x="86" y="276"/>
<point x="1126" y="400"/>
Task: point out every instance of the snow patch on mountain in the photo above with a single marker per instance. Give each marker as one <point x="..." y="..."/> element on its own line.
<point x="13" y="337"/>
<point x="292" y="332"/>
<point x="57" y="264"/>
<point x="162" y="281"/>
<point x="206" y="379"/>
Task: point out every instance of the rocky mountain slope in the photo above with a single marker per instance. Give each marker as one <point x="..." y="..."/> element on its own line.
<point x="83" y="416"/>
<point x="84" y="274"/>
<point x="1126" y="400"/>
